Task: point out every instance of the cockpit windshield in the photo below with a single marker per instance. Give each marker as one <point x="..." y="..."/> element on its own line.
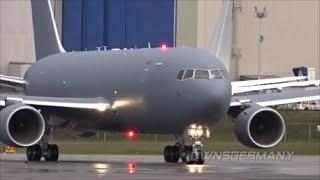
<point x="202" y="74"/>
<point x="216" y="74"/>
<point x="180" y="75"/>
<point x="187" y="74"/>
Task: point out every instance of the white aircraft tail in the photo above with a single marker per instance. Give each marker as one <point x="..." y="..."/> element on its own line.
<point x="46" y="36"/>
<point x="221" y="43"/>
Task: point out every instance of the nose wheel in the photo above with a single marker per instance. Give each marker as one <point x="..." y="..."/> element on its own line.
<point x="193" y="154"/>
<point x="188" y="154"/>
<point x="189" y="147"/>
<point x="171" y="154"/>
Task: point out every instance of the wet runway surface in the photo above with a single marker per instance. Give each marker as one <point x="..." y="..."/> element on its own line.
<point x="153" y="167"/>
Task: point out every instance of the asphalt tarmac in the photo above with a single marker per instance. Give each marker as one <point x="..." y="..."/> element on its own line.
<point x="78" y="167"/>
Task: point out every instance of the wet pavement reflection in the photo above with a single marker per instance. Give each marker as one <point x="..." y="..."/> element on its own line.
<point x="195" y="168"/>
<point x="153" y="167"/>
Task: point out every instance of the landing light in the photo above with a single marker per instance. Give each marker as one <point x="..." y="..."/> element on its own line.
<point x="197" y="131"/>
<point x="163" y="46"/>
<point x="102" y="107"/>
<point x="207" y="133"/>
<point x="192" y="132"/>
<point x="123" y="103"/>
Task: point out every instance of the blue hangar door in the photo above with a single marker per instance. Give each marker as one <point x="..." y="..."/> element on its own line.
<point x="88" y="24"/>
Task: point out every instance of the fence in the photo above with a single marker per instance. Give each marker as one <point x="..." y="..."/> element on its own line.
<point x="294" y="133"/>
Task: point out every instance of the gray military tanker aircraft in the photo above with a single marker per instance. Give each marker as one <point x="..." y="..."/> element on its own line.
<point x="180" y="91"/>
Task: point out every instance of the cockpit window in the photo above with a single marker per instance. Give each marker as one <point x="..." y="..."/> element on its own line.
<point x="202" y="74"/>
<point x="180" y="75"/>
<point x="188" y="74"/>
<point x="216" y="74"/>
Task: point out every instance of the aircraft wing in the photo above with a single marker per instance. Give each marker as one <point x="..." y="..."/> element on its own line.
<point x="238" y="84"/>
<point x="276" y="91"/>
<point x="241" y="87"/>
<point x="78" y="103"/>
<point x="12" y="82"/>
<point x="286" y="96"/>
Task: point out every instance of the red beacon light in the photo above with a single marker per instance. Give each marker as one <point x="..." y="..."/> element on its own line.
<point x="164" y="46"/>
<point x="131" y="134"/>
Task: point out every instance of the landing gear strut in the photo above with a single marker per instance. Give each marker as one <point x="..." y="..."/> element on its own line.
<point x="50" y="152"/>
<point x="188" y="147"/>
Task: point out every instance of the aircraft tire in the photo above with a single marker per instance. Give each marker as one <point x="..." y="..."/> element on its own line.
<point x="175" y="154"/>
<point x="189" y="158"/>
<point x="171" y="154"/>
<point x="34" y="153"/>
<point x="166" y="154"/>
<point x="201" y="158"/>
<point x="53" y="153"/>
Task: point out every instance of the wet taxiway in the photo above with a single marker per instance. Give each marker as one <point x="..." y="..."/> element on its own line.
<point x="152" y="167"/>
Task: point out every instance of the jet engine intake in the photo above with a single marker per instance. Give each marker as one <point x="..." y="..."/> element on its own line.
<point x="259" y="127"/>
<point x="21" y="125"/>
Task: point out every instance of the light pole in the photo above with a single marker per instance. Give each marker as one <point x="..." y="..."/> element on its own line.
<point x="260" y="15"/>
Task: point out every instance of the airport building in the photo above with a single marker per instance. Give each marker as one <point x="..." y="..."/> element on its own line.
<point x="290" y="31"/>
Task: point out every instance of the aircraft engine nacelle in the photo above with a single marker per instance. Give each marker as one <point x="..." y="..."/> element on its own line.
<point x="259" y="127"/>
<point x="21" y="125"/>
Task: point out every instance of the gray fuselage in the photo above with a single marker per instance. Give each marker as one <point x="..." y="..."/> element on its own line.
<point x="140" y="85"/>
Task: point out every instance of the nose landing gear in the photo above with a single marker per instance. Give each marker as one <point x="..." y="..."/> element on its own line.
<point x="189" y="147"/>
<point x="193" y="154"/>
